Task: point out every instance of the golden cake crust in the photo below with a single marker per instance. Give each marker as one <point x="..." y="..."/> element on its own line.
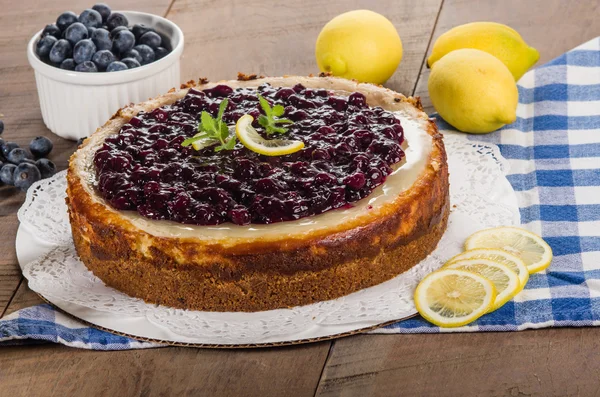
<point x="253" y="274"/>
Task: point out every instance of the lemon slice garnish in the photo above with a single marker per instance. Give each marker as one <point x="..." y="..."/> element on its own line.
<point x="530" y="247"/>
<point x="505" y="280"/>
<point x="515" y="263"/>
<point x="269" y="147"/>
<point x="453" y="298"/>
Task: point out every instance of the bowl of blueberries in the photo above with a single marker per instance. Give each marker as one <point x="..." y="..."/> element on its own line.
<point x="87" y="66"/>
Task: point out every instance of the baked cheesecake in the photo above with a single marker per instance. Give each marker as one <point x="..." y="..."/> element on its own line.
<point x="366" y="198"/>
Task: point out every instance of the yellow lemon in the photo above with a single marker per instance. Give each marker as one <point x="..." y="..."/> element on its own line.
<point x="473" y="91"/>
<point x="361" y="45"/>
<point x="496" y="39"/>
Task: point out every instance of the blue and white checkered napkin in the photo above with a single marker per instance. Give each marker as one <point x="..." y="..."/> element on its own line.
<point x="554" y="153"/>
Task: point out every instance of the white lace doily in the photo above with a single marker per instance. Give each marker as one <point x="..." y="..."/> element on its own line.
<point x="480" y="196"/>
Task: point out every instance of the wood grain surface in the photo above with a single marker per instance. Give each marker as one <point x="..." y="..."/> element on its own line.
<point x="274" y="38"/>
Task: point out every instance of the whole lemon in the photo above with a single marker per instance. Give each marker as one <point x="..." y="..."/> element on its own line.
<point x="497" y="39"/>
<point x="473" y="91"/>
<point x="361" y="45"/>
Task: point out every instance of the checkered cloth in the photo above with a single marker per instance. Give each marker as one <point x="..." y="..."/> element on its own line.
<point x="554" y="153"/>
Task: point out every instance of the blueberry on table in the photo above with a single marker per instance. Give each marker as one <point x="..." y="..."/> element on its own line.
<point x="76" y="32"/>
<point x="151" y="39"/>
<point x="123" y="41"/>
<point x="90" y="18"/>
<point x="44" y="45"/>
<point x="40" y="146"/>
<point x="60" y="51"/>
<point x="101" y="39"/>
<point x="7" y="174"/>
<point x="17" y="155"/>
<point x="46" y="167"/>
<point x="65" y="20"/>
<point x="161" y="52"/>
<point x="146" y="53"/>
<point x="116" y="19"/>
<point x="132" y="54"/>
<point x="87" y="66"/>
<point x="8" y="147"/>
<point x="116" y="66"/>
<point x="103" y="9"/>
<point x="68" y="64"/>
<point x="131" y="63"/>
<point x="83" y="51"/>
<point x="103" y="58"/>
<point x="140" y="29"/>
<point x="25" y="175"/>
<point x="51" y="30"/>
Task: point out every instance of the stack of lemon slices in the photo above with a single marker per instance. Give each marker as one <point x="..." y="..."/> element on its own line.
<point x="493" y="269"/>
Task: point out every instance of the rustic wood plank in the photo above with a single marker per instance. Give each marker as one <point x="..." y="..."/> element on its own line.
<point x="261" y="37"/>
<point x="552" y="27"/>
<point x="23" y="297"/>
<point x="60" y="371"/>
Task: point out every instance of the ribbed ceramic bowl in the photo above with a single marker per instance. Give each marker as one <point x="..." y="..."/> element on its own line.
<point x="75" y="104"/>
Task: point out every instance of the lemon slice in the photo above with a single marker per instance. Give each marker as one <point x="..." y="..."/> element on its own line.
<point x="530" y="247"/>
<point x="269" y="147"/>
<point x="505" y="280"/>
<point x="453" y="298"/>
<point x="203" y="143"/>
<point x="515" y="263"/>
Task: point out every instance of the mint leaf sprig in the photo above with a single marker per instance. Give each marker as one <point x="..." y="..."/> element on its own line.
<point x="213" y="131"/>
<point x="271" y="118"/>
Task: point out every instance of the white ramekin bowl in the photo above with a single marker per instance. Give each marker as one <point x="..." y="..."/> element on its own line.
<point x="75" y="104"/>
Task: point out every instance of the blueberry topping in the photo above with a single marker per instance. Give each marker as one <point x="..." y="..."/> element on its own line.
<point x="68" y="64"/>
<point x="44" y="45"/>
<point x="52" y="30"/>
<point x="65" y="20"/>
<point x="116" y="66"/>
<point x="17" y="155"/>
<point x="76" y="32"/>
<point x="132" y="54"/>
<point x="131" y="63"/>
<point x="103" y="10"/>
<point x="151" y="39"/>
<point x="116" y="19"/>
<point x="87" y="67"/>
<point x="90" y="18"/>
<point x="101" y="39"/>
<point x="146" y="52"/>
<point x="123" y="41"/>
<point x="40" y="146"/>
<point x="25" y="175"/>
<point x="83" y="51"/>
<point x="46" y="167"/>
<point x="103" y="58"/>
<point x="7" y="174"/>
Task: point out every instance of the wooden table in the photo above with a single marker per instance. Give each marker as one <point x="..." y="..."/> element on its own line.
<point x="275" y="38"/>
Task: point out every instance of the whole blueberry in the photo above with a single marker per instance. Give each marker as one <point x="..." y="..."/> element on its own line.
<point x="44" y="45"/>
<point x="139" y="29"/>
<point x="68" y="64"/>
<point x="132" y="54"/>
<point x="51" y="30"/>
<point x="161" y="52"/>
<point x="25" y="175"/>
<point x="8" y="147"/>
<point x="103" y="58"/>
<point x="76" y="32"/>
<point x="7" y="174"/>
<point x="83" y="51"/>
<point x="131" y="63"/>
<point x="65" y="20"/>
<point x="28" y="161"/>
<point x="103" y="9"/>
<point x="91" y="18"/>
<point x="146" y="53"/>
<point x="116" y="19"/>
<point x="151" y="39"/>
<point x="46" y="167"/>
<point x="1" y="127"/>
<point x="88" y="67"/>
<point x="60" y="51"/>
<point x="101" y="39"/>
<point x="116" y="66"/>
<point x="40" y="146"/>
<point x="116" y="30"/>
<point x="123" y="41"/>
<point x="91" y="31"/>
<point x="17" y="155"/>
